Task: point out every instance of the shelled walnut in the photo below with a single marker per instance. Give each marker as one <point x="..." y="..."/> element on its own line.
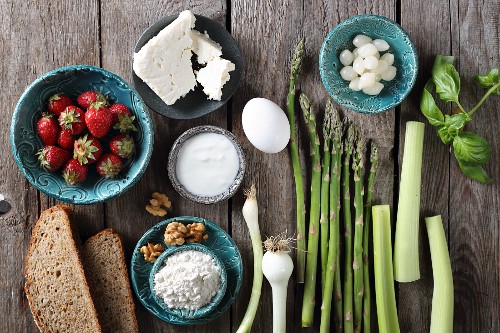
<point x="177" y="233"/>
<point x="152" y="251"/>
<point x="158" y="201"/>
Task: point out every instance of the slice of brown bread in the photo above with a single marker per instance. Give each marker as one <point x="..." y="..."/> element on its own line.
<point x="56" y="288"/>
<point x="104" y="262"/>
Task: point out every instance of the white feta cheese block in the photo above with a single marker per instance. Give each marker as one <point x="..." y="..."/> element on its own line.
<point x="204" y="47"/>
<point x="164" y="62"/>
<point x="213" y="77"/>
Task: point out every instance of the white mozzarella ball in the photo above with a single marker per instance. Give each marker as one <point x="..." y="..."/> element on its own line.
<point x="354" y="84"/>
<point x="389" y="74"/>
<point x="374" y="89"/>
<point x="348" y="73"/>
<point x="346" y="57"/>
<point x="388" y="57"/>
<point x="358" y="65"/>
<point x="370" y="62"/>
<point x="381" y="45"/>
<point x="366" y="80"/>
<point x="381" y="67"/>
<point x="361" y="40"/>
<point x="355" y="53"/>
<point x="265" y="125"/>
<point x="367" y="50"/>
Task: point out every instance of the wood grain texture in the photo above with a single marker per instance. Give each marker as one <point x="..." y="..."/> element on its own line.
<point x="36" y="37"/>
<point x="474" y="219"/>
<point x="435" y="161"/>
<point x="121" y="26"/>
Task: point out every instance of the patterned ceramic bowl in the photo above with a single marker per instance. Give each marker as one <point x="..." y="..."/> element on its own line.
<point x="73" y="80"/>
<point x="405" y="60"/>
<point x="187" y="313"/>
<point x="174" y="153"/>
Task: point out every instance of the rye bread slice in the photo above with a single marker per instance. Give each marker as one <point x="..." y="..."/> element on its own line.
<point x="107" y="275"/>
<point x="56" y="288"/>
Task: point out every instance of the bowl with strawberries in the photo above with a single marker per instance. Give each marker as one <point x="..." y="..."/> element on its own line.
<point x="81" y="134"/>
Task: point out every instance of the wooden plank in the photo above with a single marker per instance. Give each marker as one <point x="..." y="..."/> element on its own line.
<point x="435" y="167"/>
<point x="266" y="33"/>
<point x="474" y="228"/>
<point x="35" y="42"/>
<point x="126" y="214"/>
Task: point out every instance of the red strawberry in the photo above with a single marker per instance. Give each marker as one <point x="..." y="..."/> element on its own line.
<point x="87" y="150"/>
<point x="65" y="139"/>
<point x="51" y="158"/>
<point x="59" y="102"/>
<point x="74" y="172"/>
<point x="122" y="145"/>
<point x="109" y="166"/>
<point x="117" y="109"/>
<point x="47" y="128"/>
<point x="72" y="118"/>
<point x="98" y="119"/>
<point x="89" y="97"/>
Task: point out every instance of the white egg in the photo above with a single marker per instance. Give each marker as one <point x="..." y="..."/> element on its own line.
<point x="361" y="40"/>
<point x="388" y="57"/>
<point x="348" y="73"/>
<point x="266" y="125"/>
<point x="358" y="66"/>
<point x="389" y="74"/>
<point x="346" y="57"/>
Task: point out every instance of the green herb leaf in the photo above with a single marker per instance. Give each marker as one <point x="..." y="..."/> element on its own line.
<point x="474" y="171"/>
<point x="430" y="109"/>
<point x="446" y="79"/>
<point x="489" y="80"/>
<point x="452" y="126"/>
<point x="471" y="148"/>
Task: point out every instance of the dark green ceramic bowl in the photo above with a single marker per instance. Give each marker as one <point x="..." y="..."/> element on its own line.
<point x="405" y="60"/>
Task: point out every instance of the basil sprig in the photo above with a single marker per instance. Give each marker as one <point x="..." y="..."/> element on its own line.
<point x="471" y="150"/>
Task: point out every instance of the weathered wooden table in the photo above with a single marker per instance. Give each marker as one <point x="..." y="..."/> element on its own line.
<point x="37" y="36"/>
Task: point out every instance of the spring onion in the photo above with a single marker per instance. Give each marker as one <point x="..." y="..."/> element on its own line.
<point x="251" y="215"/>
<point x="277" y="267"/>
<point x="442" y="298"/>
<point x="406" y="265"/>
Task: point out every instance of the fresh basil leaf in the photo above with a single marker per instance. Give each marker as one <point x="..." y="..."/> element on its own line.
<point x="452" y="126"/>
<point x="446" y="79"/>
<point x="489" y="80"/>
<point x="474" y="171"/>
<point x="471" y="148"/>
<point x="430" y="109"/>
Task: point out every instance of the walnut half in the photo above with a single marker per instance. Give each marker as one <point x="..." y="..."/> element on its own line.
<point x="152" y="251"/>
<point x="177" y="233"/>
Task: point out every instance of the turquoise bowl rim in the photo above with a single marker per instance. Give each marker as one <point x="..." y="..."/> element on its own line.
<point x="323" y="54"/>
<point x="148" y="134"/>
<point x="184" y="313"/>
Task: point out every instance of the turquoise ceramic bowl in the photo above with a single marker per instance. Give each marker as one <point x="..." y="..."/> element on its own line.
<point x="405" y="60"/>
<point x="218" y="241"/>
<point x="73" y="80"/>
<point x="186" y="313"/>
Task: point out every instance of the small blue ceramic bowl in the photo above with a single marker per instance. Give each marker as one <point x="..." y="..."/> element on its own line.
<point x="186" y="313"/>
<point x="405" y="60"/>
<point x="72" y="81"/>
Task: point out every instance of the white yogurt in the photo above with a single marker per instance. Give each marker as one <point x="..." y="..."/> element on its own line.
<point x="207" y="164"/>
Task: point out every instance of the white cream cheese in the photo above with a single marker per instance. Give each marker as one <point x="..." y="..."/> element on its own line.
<point x="164" y="62"/>
<point x="207" y="164"/>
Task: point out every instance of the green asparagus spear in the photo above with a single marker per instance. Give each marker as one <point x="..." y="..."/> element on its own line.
<point x="313" y="239"/>
<point x="366" y="238"/>
<point x="357" y="264"/>
<point x="332" y="267"/>
<point x="346" y="196"/>
<point x="325" y="184"/>
<point x="297" y="170"/>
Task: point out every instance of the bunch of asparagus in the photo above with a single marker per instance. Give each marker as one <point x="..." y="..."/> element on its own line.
<point x="333" y="169"/>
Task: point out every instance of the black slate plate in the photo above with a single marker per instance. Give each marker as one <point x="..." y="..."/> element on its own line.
<point x="195" y="104"/>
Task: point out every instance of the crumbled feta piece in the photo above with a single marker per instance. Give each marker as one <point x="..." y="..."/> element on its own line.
<point x="164" y="62"/>
<point x="213" y="77"/>
<point x="204" y="47"/>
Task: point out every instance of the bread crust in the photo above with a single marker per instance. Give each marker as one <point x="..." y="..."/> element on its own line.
<point x="71" y="247"/>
